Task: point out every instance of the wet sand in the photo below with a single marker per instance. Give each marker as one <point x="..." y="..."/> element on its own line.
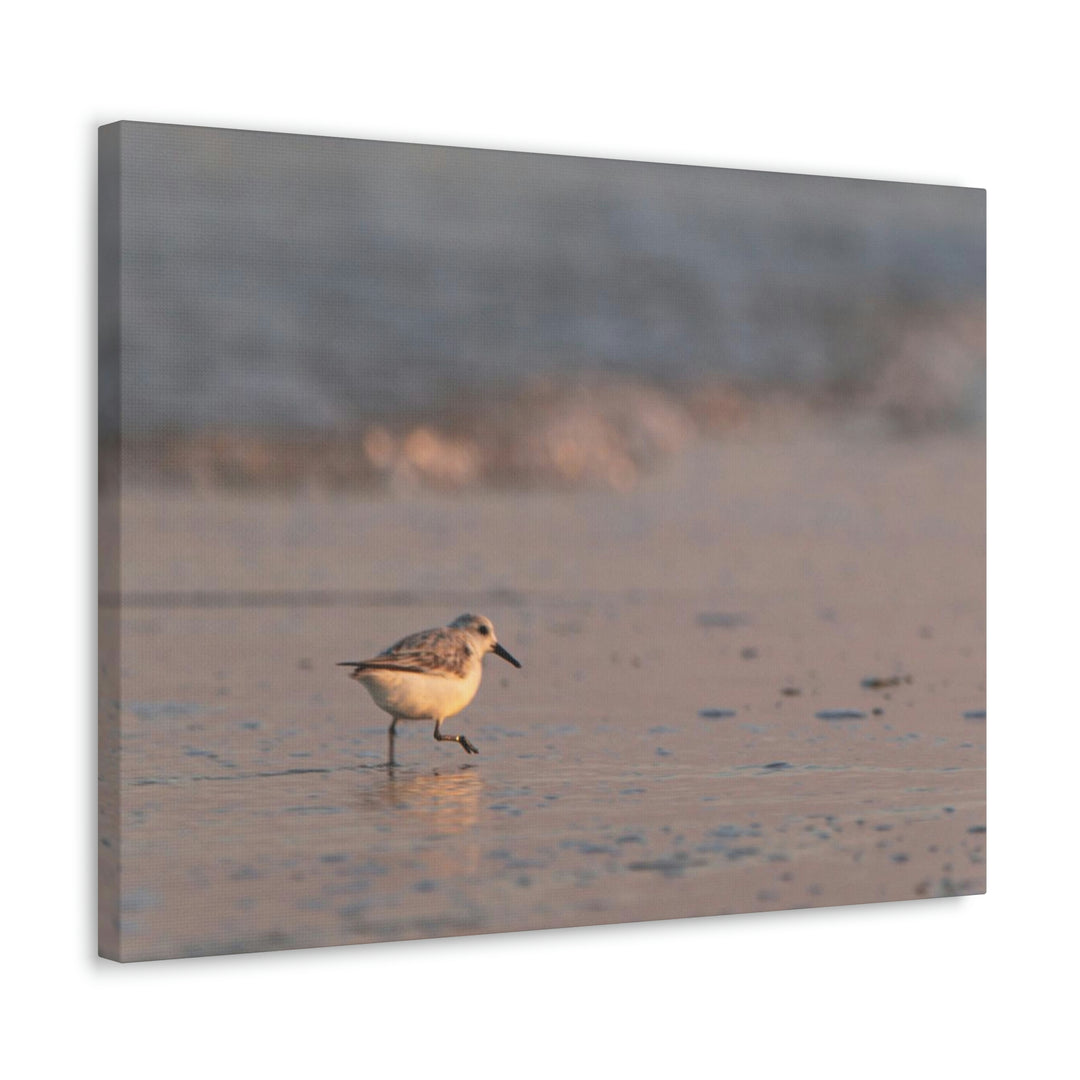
<point x="692" y="732"/>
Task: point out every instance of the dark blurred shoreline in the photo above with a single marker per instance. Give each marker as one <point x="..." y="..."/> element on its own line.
<point x="287" y="284"/>
<point x="282" y="313"/>
<point x="569" y="434"/>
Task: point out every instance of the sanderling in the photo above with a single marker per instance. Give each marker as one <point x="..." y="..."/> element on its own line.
<point x="431" y="675"/>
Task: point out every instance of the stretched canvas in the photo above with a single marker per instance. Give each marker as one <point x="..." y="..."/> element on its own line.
<point x="687" y="462"/>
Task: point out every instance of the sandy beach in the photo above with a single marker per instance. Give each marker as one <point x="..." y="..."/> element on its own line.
<point x="756" y="681"/>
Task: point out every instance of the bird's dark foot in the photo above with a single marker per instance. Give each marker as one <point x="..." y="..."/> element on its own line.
<point x="467" y="746"/>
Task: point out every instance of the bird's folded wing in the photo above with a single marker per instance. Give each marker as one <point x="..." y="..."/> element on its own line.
<point x="430" y="652"/>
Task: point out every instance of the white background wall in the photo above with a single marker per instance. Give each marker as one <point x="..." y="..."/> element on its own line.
<point x="924" y="91"/>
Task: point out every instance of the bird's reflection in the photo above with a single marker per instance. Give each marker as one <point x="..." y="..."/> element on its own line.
<point x="440" y="801"/>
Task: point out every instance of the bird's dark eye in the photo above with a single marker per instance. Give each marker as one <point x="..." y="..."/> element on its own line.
<point x="482" y="629"/>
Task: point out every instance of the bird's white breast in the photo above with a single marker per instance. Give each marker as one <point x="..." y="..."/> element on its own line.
<point x="412" y="695"/>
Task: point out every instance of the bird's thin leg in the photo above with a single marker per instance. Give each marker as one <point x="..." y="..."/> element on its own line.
<point x="390" y="733"/>
<point x="465" y="744"/>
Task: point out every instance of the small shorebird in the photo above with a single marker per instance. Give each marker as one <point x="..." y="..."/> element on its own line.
<point x="431" y="675"/>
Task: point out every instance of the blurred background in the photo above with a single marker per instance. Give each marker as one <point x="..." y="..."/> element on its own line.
<point x="302" y="312"/>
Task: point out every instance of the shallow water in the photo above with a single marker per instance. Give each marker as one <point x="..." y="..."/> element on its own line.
<point x="651" y="760"/>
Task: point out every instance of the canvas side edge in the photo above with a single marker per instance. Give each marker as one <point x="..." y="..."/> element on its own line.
<point x="109" y="399"/>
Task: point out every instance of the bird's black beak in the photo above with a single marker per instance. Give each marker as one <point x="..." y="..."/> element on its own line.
<point x="498" y="650"/>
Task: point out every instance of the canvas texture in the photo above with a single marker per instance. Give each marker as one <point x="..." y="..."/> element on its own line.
<point x="495" y="541"/>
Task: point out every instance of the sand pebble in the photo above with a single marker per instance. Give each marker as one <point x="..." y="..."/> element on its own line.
<point x="726" y="619"/>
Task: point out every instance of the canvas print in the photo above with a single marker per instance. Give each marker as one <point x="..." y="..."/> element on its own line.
<point x="494" y="541"/>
